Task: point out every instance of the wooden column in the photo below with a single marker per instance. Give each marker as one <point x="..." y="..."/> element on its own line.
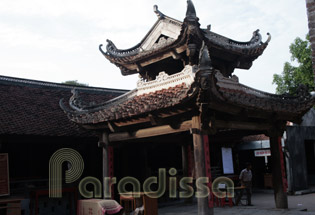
<point x="200" y="165"/>
<point x="146" y="171"/>
<point x="278" y="173"/>
<point x="111" y="166"/>
<point x="190" y="161"/>
<point x="185" y="160"/>
<point x="208" y="168"/>
<point x="104" y="142"/>
<point x="185" y="166"/>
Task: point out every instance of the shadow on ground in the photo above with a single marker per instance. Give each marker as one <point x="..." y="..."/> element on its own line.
<point x="263" y="204"/>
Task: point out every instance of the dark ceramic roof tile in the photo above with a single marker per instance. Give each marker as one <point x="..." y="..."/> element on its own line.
<point x="32" y="107"/>
<point x="237" y="94"/>
<point x="134" y="106"/>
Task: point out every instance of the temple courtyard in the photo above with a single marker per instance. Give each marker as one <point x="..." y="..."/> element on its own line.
<point x="263" y="204"/>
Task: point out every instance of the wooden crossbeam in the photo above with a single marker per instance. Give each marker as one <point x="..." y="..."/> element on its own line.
<point x="242" y="125"/>
<point x="184" y="126"/>
<point x="150" y="132"/>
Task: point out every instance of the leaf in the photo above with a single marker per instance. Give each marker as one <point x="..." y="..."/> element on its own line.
<point x="292" y="76"/>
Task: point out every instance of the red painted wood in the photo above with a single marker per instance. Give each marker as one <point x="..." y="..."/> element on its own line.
<point x="284" y="179"/>
<point x="111" y="166"/>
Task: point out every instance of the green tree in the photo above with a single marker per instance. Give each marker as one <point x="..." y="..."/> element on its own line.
<point x="292" y="76"/>
<point x="75" y="83"/>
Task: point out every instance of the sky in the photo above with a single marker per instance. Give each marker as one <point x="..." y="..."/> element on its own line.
<point x="57" y="40"/>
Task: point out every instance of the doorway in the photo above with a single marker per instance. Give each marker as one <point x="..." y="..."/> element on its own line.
<point x="310" y="160"/>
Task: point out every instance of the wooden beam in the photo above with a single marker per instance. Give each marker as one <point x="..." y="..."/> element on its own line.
<point x="156" y="58"/>
<point x="112" y="127"/>
<point x="241" y="125"/>
<point x="139" y="67"/>
<point x="160" y="116"/>
<point x="132" y="121"/>
<point x="221" y="107"/>
<point x="153" y="119"/>
<point x="150" y="132"/>
<point x="175" y="55"/>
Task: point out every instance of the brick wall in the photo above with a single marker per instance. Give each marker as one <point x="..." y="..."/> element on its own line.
<point x="310" y="5"/>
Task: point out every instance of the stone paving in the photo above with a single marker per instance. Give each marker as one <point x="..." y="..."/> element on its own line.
<point x="263" y="204"/>
<point x="185" y="210"/>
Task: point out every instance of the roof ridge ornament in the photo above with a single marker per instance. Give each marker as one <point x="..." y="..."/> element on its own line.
<point x="75" y="101"/>
<point x="256" y="37"/>
<point x="204" y="58"/>
<point x="191" y="11"/>
<point x="205" y="67"/>
<point x="159" y="14"/>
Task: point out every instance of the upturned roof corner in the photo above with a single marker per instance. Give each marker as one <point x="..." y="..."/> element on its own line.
<point x="159" y="14"/>
<point x="178" y="42"/>
<point x="185" y="70"/>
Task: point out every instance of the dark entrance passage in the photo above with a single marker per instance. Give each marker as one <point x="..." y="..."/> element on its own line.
<point x="310" y="160"/>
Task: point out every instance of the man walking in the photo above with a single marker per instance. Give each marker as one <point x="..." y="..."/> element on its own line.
<point x="246" y="182"/>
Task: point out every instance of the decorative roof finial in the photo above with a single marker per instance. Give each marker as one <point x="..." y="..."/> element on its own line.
<point x="191" y="12"/>
<point x="205" y="69"/>
<point x="204" y="58"/>
<point x="159" y="14"/>
<point x="269" y="38"/>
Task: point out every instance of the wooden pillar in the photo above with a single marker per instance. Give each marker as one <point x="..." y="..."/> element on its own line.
<point x="111" y="167"/>
<point x="147" y="171"/>
<point x="208" y="168"/>
<point x="200" y="164"/>
<point x="190" y="160"/>
<point x="278" y="173"/>
<point x="185" y="166"/>
<point x="107" y="159"/>
<point x="185" y="160"/>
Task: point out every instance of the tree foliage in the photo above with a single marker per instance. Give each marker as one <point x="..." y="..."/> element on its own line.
<point x="75" y="83"/>
<point x="293" y="76"/>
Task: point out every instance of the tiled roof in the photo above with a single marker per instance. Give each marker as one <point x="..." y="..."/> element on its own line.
<point x="290" y="107"/>
<point x="133" y="105"/>
<point x="238" y="53"/>
<point x="32" y="107"/>
<point x="173" y="90"/>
